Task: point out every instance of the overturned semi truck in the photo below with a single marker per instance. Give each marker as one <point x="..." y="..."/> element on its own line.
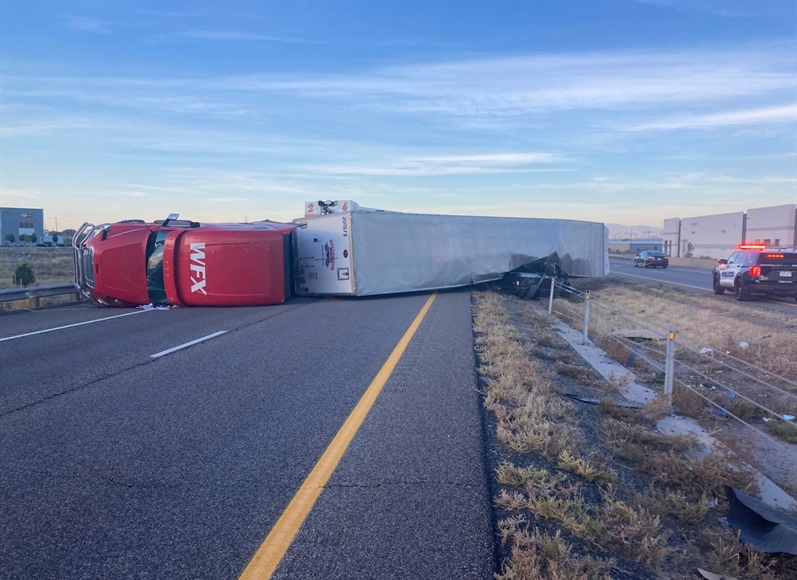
<point x="336" y="249"/>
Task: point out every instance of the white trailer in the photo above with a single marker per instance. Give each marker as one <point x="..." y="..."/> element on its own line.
<point x="369" y="252"/>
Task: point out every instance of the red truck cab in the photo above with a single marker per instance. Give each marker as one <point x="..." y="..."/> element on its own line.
<point x="183" y="263"/>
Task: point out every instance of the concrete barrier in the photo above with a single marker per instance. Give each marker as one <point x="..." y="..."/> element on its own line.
<point x="701" y="263"/>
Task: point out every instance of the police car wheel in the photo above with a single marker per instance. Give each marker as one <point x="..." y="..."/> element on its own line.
<point x="740" y="291"/>
<point x="717" y="288"/>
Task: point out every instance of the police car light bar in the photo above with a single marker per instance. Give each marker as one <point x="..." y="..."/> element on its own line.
<point x="752" y="246"/>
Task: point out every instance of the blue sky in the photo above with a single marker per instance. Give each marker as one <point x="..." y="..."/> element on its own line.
<point x="621" y="112"/>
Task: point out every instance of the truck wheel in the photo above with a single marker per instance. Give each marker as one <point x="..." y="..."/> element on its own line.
<point x="740" y="291"/>
<point x="717" y="288"/>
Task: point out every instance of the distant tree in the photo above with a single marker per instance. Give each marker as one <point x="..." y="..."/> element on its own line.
<point x="55" y="238"/>
<point x="10" y="238"/>
<point x="33" y="238"/>
<point x="67" y="236"/>
<point x="24" y="276"/>
<point x="24" y="238"/>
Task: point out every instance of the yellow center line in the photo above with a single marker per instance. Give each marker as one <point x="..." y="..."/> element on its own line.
<point x="279" y="539"/>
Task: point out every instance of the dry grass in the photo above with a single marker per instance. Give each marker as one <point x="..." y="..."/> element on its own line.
<point x="634" y="531"/>
<point x="718" y="378"/>
<point x="616" y="499"/>
<point x="785" y="431"/>
<point x="671" y="461"/>
<point x="701" y="322"/>
<point x="50" y="266"/>
<point x="535" y="554"/>
<point x="726" y="552"/>
<point x="521" y="393"/>
<point x="676" y="504"/>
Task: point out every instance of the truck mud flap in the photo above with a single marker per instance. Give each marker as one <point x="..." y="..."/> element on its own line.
<point x="769" y="529"/>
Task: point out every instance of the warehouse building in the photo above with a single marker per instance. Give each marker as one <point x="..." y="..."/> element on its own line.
<point x="21" y="225"/>
<point x="716" y="236"/>
<point x="631" y="246"/>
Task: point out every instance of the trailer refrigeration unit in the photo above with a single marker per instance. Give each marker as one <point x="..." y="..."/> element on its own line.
<point x="337" y="249"/>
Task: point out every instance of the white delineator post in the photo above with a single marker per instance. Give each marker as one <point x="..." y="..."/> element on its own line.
<point x="669" y="367"/>
<point x="586" y="317"/>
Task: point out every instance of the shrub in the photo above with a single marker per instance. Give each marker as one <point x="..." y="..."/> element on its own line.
<point x="23" y="276"/>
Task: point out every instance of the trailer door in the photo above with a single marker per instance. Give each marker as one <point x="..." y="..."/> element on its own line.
<point x="324" y="261"/>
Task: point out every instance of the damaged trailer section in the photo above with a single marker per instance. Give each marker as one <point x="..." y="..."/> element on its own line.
<point x="367" y="252"/>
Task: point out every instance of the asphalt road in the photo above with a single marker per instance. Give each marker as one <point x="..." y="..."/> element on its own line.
<point x="118" y="464"/>
<point x="695" y="280"/>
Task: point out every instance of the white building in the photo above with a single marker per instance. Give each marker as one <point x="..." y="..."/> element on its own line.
<point x="716" y="236"/>
<point x="773" y="226"/>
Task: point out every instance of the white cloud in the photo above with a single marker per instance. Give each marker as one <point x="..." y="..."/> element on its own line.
<point x="87" y="24"/>
<point x="537" y="84"/>
<point x="113" y="194"/>
<point x="728" y="8"/>
<point x="19" y="193"/>
<point x="444" y="165"/>
<point x="285" y="139"/>
<point x="237" y="35"/>
<point x="495" y="159"/>
<point x="484" y="90"/>
<point x="158" y="189"/>
<point x="756" y="181"/>
<point x="46" y="125"/>
<point x="768" y="115"/>
<point x="126" y="94"/>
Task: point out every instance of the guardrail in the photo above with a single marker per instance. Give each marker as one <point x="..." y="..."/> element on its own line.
<point x="34" y="294"/>
<point x="657" y="349"/>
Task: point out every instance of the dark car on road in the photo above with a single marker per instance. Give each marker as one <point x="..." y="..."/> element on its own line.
<point x="757" y="270"/>
<point x="651" y="258"/>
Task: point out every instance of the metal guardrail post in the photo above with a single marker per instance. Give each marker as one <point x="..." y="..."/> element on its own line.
<point x="586" y="317"/>
<point x="550" y="298"/>
<point x="669" y="367"/>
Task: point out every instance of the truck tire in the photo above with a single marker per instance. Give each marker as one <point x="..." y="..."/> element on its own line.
<point x="717" y="288"/>
<point x="741" y="292"/>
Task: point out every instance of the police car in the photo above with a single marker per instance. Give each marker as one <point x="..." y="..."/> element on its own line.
<point x="755" y="269"/>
